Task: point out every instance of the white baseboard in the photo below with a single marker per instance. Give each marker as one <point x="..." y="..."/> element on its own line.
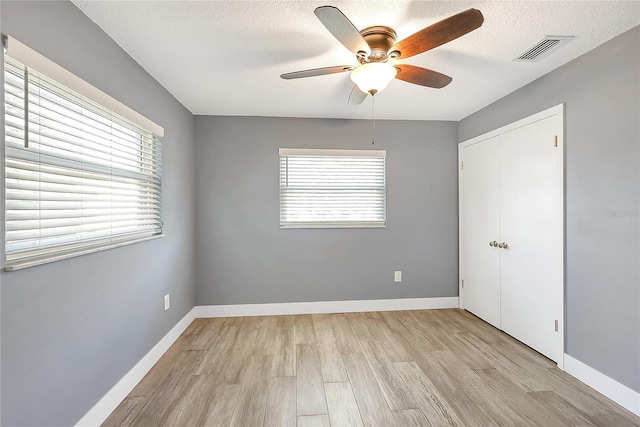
<point x="324" y="307"/>
<point x="110" y="401"/>
<point x="105" y="406"/>
<point x="619" y="393"/>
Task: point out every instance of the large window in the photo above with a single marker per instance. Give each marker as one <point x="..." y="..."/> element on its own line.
<point x="78" y="176"/>
<point x="332" y="188"/>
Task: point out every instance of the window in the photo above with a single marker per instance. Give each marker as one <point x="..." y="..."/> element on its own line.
<point x="332" y="188"/>
<point x="78" y="176"/>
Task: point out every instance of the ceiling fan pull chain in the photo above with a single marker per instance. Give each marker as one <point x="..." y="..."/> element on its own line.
<point x="373" y="119"/>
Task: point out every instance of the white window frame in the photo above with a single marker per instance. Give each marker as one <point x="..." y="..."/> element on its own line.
<point x="139" y="177"/>
<point x="375" y="190"/>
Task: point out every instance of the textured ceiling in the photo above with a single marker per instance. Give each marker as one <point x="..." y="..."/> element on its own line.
<point x="225" y="57"/>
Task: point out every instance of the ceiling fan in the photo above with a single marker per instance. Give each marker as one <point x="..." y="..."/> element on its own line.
<point x="375" y="46"/>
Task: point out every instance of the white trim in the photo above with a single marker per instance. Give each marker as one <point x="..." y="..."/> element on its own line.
<point x="33" y="59"/>
<point x="619" y="393"/>
<point x="557" y="110"/>
<point x="110" y="401"/>
<point x="330" y="152"/>
<point x="460" y="227"/>
<point x="77" y="252"/>
<point x="325" y="307"/>
<point x="294" y="225"/>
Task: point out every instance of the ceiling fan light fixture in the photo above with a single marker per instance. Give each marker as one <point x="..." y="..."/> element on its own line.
<point x="373" y="77"/>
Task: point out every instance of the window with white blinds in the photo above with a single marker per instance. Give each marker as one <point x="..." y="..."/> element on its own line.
<point x="78" y="176"/>
<point x="332" y="188"/>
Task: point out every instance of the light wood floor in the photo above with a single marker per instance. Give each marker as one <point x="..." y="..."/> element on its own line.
<point x="407" y="368"/>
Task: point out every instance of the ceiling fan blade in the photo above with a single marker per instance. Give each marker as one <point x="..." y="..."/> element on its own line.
<point x="356" y="96"/>
<point x="422" y="76"/>
<point x="342" y="29"/>
<point x="439" y="33"/>
<point x="317" y="72"/>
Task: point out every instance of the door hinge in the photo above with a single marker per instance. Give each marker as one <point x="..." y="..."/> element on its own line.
<point x="462" y="164"/>
<point x="555" y="140"/>
<point x="556" y="326"/>
<point x="463" y="283"/>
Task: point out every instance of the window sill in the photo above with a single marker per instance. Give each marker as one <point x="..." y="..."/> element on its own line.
<point x="329" y="225"/>
<point x="53" y="258"/>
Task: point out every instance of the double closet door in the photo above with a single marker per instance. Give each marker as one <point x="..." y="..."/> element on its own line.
<point x="511" y="230"/>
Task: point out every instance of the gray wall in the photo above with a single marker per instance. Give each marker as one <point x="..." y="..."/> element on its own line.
<point x="601" y="90"/>
<point x="71" y="329"/>
<point x="242" y="256"/>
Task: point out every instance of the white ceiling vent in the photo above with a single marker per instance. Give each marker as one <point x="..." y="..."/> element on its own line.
<point x="542" y="48"/>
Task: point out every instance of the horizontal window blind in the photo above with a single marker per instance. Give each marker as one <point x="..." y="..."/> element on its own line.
<point x="78" y="177"/>
<point x="332" y="188"/>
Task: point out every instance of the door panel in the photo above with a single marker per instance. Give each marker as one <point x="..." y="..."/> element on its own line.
<point x="531" y="224"/>
<point x="481" y="225"/>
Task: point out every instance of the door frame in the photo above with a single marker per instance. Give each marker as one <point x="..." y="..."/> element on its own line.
<point x="558" y="112"/>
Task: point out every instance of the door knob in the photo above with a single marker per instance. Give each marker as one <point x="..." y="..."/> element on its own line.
<point x="494" y="244"/>
<point x="503" y="245"/>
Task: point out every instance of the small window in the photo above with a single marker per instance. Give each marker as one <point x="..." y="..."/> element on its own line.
<point x="332" y="188"/>
<point x="78" y="176"/>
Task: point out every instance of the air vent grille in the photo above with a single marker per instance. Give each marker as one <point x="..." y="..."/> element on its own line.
<point x="542" y="48"/>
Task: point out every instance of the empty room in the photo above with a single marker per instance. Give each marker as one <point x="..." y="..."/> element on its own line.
<point x="301" y="213"/>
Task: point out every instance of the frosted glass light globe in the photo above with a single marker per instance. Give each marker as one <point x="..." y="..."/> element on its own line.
<point x="373" y="77"/>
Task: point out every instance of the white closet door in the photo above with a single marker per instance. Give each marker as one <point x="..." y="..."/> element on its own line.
<point x="531" y="225"/>
<point x="481" y="225"/>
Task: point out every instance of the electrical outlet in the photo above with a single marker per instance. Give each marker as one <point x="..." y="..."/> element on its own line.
<point x="167" y="302"/>
<point x="397" y="276"/>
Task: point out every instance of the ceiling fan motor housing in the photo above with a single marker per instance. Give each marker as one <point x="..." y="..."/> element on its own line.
<point x="380" y="39"/>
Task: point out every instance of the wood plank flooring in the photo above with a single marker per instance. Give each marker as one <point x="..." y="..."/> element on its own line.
<point x="403" y="368"/>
